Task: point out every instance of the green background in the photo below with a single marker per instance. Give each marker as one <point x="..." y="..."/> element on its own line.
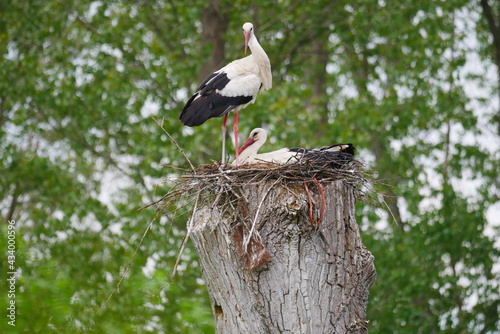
<point x="413" y="84"/>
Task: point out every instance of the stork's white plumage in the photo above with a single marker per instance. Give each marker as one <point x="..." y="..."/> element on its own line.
<point x="332" y="154"/>
<point x="233" y="87"/>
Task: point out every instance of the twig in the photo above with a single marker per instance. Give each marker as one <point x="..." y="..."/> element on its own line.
<point x="247" y="240"/>
<point x="188" y="234"/>
<point x="130" y="263"/>
<point x="173" y="140"/>
<point x="390" y="211"/>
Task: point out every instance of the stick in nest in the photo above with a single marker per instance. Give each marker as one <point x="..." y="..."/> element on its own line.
<point x="186" y="238"/>
<point x="247" y="238"/>
<point x="173" y="141"/>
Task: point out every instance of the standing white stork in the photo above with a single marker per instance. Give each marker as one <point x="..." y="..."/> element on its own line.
<point x="233" y="87"/>
<point x="333" y="154"/>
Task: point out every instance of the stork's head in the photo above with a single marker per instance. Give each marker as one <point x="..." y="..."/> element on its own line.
<point x="248" y="32"/>
<point x="257" y="138"/>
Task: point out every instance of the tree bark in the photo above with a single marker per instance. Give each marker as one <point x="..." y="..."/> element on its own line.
<point x="304" y="269"/>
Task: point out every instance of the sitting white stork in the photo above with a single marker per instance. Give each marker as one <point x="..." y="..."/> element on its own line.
<point x="332" y="155"/>
<point x="233" y="87"/>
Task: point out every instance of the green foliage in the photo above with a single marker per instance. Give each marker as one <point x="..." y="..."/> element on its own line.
<point x="79" y="152"/>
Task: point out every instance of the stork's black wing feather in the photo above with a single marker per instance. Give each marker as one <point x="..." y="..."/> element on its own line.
<point x="207" y="102"/>
<point x="334" y="156"/>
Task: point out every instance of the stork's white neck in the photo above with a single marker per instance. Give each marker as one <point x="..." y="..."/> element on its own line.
<point x="262" y="60"/>
<point x="255" y="47"/>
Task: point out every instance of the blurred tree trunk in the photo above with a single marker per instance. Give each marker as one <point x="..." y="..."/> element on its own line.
<point x="361" y="71"/>
<point x="214" y="24"/>
<point x="494" y="27"/>
<point x="294" y="275"/>
<point x="319" y="100"/>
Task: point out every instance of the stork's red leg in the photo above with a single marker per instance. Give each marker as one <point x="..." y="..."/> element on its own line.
<point x="224" y="138"/>
<point x="235" y="128"/>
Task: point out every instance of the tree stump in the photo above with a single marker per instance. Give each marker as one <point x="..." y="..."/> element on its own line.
<point x="285" y="258"/>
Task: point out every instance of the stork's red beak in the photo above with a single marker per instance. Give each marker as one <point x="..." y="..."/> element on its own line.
<point x="249" y="142"/>
<point x="247" y="38"/>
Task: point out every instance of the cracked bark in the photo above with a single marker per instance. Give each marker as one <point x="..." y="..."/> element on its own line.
<point x="294" y="277"/>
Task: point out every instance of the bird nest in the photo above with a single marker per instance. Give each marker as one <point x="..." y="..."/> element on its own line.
<point x="346" y="169"/>
<point x="216" y="179"/>
<point x="206" y="181"/>
<point x="218" y="183"/>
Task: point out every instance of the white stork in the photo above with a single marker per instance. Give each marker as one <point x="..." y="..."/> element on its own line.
<point x="332" y="154"/>
<point x="233" y="87"/>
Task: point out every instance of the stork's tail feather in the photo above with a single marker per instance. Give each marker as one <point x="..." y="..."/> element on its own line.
<point x="345" y="148"/>
<point x="193" y="113"/>
<point x="334" y="156"/>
